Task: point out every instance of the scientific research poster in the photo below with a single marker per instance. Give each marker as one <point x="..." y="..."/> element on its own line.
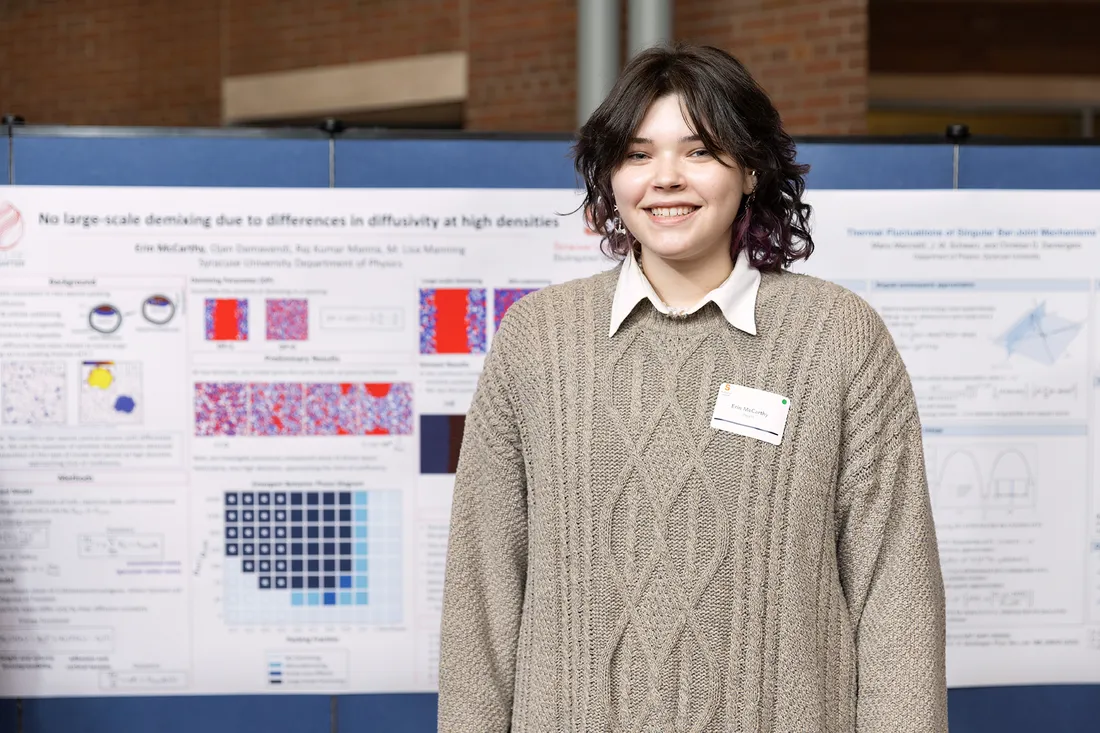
<point x="230" y="420"/>
<point x="991" y="297"/>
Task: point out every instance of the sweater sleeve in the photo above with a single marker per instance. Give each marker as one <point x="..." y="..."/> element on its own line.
<point x="886" y="543"/>
<point x="486" y="561"/>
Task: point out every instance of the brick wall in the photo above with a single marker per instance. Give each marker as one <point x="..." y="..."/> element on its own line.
<point x="985" y="37"/>
<point x="522" y="59"/>
<point x="810" y="56"/>
<point x="276" y="35"/>
<point x="160" y="62"/>
<point x="122" y="62"/>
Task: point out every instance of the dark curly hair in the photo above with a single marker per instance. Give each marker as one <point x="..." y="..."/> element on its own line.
<point x="733" y="116"/>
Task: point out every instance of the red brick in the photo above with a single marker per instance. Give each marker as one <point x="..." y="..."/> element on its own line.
<point x="828" y="102"/>
<point x="825" y="66"/>
<point x="802" y="123"/>
<point x="162" y="62"/>
<point x="760" y="36"/>
<point x="112" y="65"/>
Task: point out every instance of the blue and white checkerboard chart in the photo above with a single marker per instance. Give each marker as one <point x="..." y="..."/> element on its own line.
<point x="313" y="557"/>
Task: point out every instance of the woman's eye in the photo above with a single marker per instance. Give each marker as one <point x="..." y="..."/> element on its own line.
<point x="700" y="153"/>
<point x="635" y="156"/>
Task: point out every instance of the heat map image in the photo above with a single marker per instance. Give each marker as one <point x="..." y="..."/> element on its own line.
<point x="221" y="409"/>
<point x="226" y="319"/>
<point x="275" y="409"/>
<point x="503" y="298"/>
<point x="332" y="409"/>
<point x="313" y="557"/>
<point x="452" y="321"/>
<point x="287" y="319"/>
<point x="296" y="409"/>
<point x="32" y="393"/>
<point x="110" y="393"/>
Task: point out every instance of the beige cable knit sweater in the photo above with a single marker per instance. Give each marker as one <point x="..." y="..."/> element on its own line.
<point x="615" y="564"/>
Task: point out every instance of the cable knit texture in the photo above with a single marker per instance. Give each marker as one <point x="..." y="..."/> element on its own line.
<point x="615" y="564"/>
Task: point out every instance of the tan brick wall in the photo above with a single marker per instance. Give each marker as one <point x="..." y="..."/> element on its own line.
<point x="160" y="62"/>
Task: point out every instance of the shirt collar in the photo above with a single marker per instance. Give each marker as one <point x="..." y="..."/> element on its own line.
<point x="736" y="297"/>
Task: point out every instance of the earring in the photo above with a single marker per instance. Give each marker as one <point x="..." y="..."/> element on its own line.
<point x="617" y="222"/>
<point x="752" y="194"/>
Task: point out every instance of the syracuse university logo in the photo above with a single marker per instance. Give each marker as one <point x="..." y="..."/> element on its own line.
<point x="11" y="226"/>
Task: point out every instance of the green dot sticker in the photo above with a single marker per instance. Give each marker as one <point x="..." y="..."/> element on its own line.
<point x="784" y="402"/>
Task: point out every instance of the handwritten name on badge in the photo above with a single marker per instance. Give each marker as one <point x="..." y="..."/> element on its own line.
<point x="753" y="413"/>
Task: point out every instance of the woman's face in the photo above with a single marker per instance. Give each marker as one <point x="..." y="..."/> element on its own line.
<point x="673" y="195"/>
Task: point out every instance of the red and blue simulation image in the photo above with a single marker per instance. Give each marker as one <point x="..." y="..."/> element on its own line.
<point x="453" y="321"/>
<point x="287" y="319"/>
<point x="296" y="409"/>
<point x="226" y="319"/>
<point x="505" y="298"/>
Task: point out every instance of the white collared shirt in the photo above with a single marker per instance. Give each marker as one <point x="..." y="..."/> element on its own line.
<point x="736" y="297"/>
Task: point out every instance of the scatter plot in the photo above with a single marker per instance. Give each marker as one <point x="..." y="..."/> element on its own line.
<point x="332" y="409"/>
<point x="452" y="321"/>
<point x="313" y="557"/>
<point x="295" y="409"/>
<point x="503" y="298"/>
<point x="226" y="319"/>
<point x="221" y="409"/>
<point x="287" y="319"/>
<point x="275" y="409"/>
<point x="33" y="392"/>
<point x="111" y="393"/>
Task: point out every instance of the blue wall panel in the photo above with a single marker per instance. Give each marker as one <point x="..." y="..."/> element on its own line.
<point x="170" y="161"/>
<point x="9" y="712"/>
<point x="860" y="167"/>
<point x="454" y="164"/>
<point x="387" y="713"/>
<point x="3" y="164"/>
<point x="214" y="714"/>
<point x="1051" y="709"/>
<point x="1046" y="709"/>
<point x="546" y="164"/>
<point x="1030" y="167"/>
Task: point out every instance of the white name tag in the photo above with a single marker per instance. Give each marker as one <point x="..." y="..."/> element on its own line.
<point x="750" y="412"/>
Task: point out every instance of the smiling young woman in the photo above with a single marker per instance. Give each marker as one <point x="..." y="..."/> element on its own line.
<point x="681" y="200"/>
<point x="691" y="493"/>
